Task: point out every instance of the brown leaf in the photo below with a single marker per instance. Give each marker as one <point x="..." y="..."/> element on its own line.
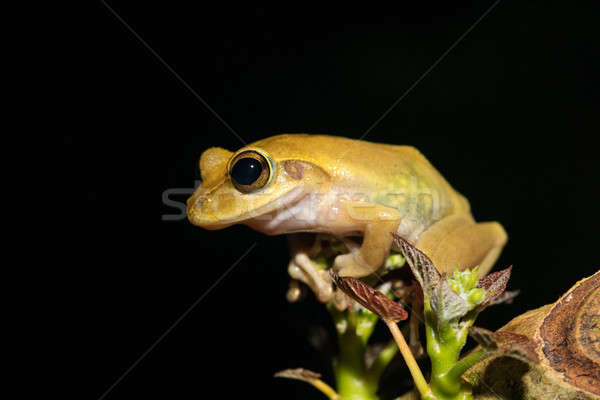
<point x="484" y="337"/>
<point x="371" y="299"/>
<point x="422" y="267"/>
<point x="565" y="334"/>
<point x="298" y="373"/>
<point x="494" y="284"/>
<point x="504" y="343"/>
<point x="418" y="292"/>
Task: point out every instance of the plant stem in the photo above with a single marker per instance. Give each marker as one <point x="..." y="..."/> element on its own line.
<point x="415" y="371"/>
<point x="381" y="362"/>
<point x="325" y="389"/>
<point x="354" y="329"/>
<point x="349" y="369"/>
<point x="465" y="363"/>
<point x="445" y="340"/>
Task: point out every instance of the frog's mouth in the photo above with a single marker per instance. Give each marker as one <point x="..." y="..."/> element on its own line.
<point x="210" y="222"/>
<point x="294" y="214"/>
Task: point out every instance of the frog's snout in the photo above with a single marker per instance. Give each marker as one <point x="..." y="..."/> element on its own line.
<point x="195" y="200"/>
<point x="194" y="203"/>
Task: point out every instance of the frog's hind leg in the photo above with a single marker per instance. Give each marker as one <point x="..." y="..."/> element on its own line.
<point x="302" y="268"/>
<point x="459" y="240"/>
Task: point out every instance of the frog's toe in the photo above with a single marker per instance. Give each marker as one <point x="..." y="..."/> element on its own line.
<point x="352" y="265"/>
<point x="296" y="291"/>
<point x="340" y="300"/>
<point x="302" y="268"/>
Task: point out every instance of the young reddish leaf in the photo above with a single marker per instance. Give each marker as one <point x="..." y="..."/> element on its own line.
<point x="421" y="266"/>
<point x="371" y="299"/>
<point x="504" y="343"/>
<point x="444" y="301"/>
<point x="494" y="284"/>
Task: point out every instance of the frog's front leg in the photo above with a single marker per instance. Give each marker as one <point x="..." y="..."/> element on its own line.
<point x="378" y="222"/>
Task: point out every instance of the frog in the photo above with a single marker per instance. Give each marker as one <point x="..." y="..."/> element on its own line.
<point x="356" y="191"/>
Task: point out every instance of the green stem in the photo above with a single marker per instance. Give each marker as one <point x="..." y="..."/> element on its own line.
<point x="349" y="369"/>
<point x="445" y="340"/>
<point x="352" y="379"/>
<point x="382" y="361"/>
<point x="467" y="362"/>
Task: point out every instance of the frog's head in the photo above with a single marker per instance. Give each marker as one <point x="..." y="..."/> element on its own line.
<point x="260" y="179"/>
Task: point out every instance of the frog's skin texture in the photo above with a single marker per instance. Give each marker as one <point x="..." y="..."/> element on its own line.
<point x="346" y="188"/>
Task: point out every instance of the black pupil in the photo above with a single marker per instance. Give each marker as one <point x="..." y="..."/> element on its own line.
<point x="246" y="171"/>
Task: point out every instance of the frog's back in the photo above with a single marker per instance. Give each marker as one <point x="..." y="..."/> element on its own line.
<point x="335" y="153"/>
<point x="396" y="176"/>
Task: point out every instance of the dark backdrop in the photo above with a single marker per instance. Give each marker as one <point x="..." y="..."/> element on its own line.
<point x="509" y="116"/>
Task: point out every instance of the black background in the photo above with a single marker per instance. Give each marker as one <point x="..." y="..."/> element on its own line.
<point x="509" y="116"/>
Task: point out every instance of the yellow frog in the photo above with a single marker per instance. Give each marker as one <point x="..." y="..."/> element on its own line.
<point x="326" y="184"/>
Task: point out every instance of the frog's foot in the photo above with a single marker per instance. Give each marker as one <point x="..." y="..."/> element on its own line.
<point x="340" y="300"/>
<point x="379" y="222"/>
<point x="303" y="269"/>
<point x="295" y="291"/>
<point x="352" y="264"/>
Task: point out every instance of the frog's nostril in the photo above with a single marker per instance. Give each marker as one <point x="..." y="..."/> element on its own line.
<point x="193" y="205"/>
<point x="195" y="201"/>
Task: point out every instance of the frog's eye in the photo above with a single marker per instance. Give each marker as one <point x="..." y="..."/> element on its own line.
<point x="249" y="171"/>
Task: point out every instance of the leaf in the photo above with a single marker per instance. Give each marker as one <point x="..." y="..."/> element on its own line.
<point x="506" y="298"/>
<point x="447" y="304"/>
<point x="565" y="334"/>
<point x="503" y="343"/>
<point x="371" y="299"/>
<point x="485" y="338"/>
<point x="311" y="378"/>
<point x="418" y="292"/>
<point x="298" y="373"/>
<point x="421" y="265"/>
<point x="494" y="284"/>
<point x="444" y="301"/>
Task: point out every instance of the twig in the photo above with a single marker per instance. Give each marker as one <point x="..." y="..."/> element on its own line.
<point x="413" y="367"/>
